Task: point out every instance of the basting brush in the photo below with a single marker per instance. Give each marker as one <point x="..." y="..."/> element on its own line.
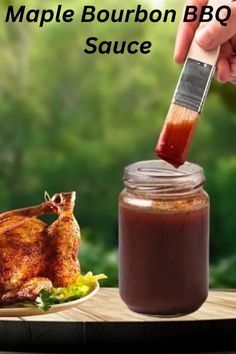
<point x="188" y="100"/>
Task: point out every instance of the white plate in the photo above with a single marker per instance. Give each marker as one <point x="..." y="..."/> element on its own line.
<point x="31" y="311"/>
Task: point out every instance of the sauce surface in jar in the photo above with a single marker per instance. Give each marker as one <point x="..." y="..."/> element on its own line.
<point x="163" y="238"/>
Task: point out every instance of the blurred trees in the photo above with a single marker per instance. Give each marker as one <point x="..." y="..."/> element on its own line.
<point x="69" y="121"/>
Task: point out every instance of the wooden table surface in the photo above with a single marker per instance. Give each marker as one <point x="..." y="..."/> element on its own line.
<point x="104" y="322"/>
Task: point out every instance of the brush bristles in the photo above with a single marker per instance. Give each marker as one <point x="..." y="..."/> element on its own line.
<point x="181" y="115"/>
<point x="176" y="134"/>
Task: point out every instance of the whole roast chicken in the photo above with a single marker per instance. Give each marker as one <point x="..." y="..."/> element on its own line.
<point x="34" y="255"/>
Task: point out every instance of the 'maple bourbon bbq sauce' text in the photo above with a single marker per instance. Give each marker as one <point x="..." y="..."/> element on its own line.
<point x="163" y="247"/>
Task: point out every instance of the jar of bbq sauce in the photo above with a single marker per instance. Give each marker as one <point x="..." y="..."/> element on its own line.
<point x="163" y="238"/>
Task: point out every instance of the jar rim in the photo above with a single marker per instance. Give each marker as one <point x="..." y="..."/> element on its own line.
<point x="161" y="177"/>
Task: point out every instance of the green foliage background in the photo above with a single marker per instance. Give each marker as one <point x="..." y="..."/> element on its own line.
<point x="72" y="122"/>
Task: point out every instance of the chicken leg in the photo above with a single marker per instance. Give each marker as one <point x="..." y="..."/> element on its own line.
<point x="64" y="242"/>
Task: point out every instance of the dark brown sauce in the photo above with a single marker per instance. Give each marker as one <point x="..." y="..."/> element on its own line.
<point x="163" y="259"/>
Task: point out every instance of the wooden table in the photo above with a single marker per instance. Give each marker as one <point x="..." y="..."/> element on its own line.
<point x="105" y="324"/>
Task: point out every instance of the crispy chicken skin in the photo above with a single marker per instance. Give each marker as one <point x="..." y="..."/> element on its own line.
<point x="27" y="291"/>
<point x="35" y="256"/>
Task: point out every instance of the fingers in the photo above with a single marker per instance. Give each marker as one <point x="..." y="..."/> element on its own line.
<point x="210" y="36"/>
<point x="233" y="70"/>
<point x="223" y="69"/>
<point x="226" y="66"/>
<point x="183" y="41"/>
<point x="214" y="34"/>
<point x="186" y="32"/>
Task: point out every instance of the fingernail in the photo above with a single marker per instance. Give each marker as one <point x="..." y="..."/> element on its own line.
<point x="204" y="38"/>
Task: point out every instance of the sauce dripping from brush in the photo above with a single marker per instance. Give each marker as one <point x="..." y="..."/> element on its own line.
<point x="176" y="135"/>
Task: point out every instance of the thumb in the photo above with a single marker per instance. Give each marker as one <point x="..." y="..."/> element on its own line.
<point x="214" y="34"/>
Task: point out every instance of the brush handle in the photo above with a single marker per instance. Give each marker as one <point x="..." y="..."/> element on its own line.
<point x="206" y="56"/>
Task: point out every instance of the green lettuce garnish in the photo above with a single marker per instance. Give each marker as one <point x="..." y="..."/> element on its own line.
<point x="82" y="287"/>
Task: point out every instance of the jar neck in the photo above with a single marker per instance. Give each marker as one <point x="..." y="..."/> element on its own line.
<point x="159" y="179"/>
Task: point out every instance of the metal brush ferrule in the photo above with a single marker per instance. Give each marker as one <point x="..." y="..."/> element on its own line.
<point x="193" y="85"/>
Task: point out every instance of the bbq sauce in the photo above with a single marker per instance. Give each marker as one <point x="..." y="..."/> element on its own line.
<point x="176" y="135"/>
<point x="163" y="245"/>
<point x="174" y="142"/>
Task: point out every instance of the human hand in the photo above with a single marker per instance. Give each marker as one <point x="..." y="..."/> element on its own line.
<point x="210" y="36"/>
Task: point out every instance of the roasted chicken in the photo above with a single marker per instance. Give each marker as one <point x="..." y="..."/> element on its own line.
<point x="34" y="255"/>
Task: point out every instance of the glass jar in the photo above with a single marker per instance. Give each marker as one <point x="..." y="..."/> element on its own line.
<point x="163" y="238"/>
